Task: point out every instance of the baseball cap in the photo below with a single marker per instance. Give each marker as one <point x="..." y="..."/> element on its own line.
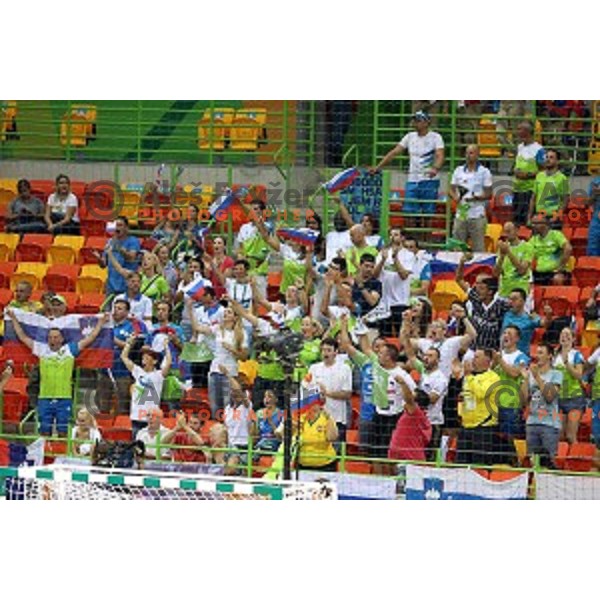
<point x="58" y="298"/>
<point x="421" y="115"/>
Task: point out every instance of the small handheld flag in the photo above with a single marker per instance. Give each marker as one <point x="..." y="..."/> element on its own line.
<point x="304" y="236"/>
<point x="306" y="400"/>
<point x="195" y="289"/>
<point x="222" y="203"/>
<point x="342" y="180"/>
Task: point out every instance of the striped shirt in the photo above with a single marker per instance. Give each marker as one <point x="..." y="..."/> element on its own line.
<point x="487" y="319"/>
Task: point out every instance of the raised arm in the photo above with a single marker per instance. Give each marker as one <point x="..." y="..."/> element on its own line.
<point x="167" y="361"/>
<point x="389" y="157"/>
<point x="23" y="337"/>
<point x="125" y="353"/>
<point x="344" y="211"/>
<point x="272" y="240"/>
<point x="460" y="271"/>
<point x="115" y="263"/>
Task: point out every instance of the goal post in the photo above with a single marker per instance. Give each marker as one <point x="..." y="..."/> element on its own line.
<point x="64" y="482"/>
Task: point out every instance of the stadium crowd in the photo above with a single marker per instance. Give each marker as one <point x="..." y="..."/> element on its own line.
<point x="379" y="366"/>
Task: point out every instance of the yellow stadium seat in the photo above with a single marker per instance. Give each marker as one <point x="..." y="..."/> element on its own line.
<point x="73" y="241"/>
<point x="492" y="235"/>
<point x="6" y="196"/>
<point x="131" y="206"/>
<point x="91" y="279"/>
<point x="8" y="118"/>
<point x="446" y="292"/>
<point x="594" y="158"/>
<point x="61" y="255"/>
<point x="9" y="184"/>
<point x="213" y="128"/>
<point x="11" y="241"/>
<point x="248" y="128"/>
<point x="29" y="271"/>
<point x="487" y="137"/>
<point x="4" y="253"/>
<point x="79" y="126"/>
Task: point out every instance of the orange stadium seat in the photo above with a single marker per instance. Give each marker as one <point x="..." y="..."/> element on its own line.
<point x="90" y="303"/>
<point x="11" y="241"/>
<point x="6" y="270"/>
<point x="580" y="457"/>
<point x="33" y="247"/>
<point x="33" y="272"/>
<point x="579" y="241"/>
<point x="62" y="278"/>
<point x="91" y="279"/>
<point x="16" y="399"/>
<point x="86" y="254"/>
<point x="561" y="455"/>
<point x="5" y="297"/>
<point x="563" y="299"/>
<point x="587" y="271"/>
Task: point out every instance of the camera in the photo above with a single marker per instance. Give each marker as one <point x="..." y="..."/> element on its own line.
<point x="285" y="343"/>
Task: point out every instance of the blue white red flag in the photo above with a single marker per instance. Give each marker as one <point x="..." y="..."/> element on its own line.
<point x="342" y="180"/>
<point x="306" y="400"/>
<point x="222" y="204"/>
<point x="303" y="235"/>
<point x="444" y="264"/>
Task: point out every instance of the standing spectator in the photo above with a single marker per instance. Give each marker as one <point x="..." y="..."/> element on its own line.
<point x="239" y="287"/>
<point x="394" y="269"/>
<point x="334" y="382"/>
<point x="252" y="247"/>
<point x="478" y="441"/>
<point x="366" y="290"/>
<point x="593" y="364"/>
<point x="530" y="157"/>
<point x="486" y="308"/>
<point x="593" y="246"/>
<point x="338" y="239"/>
<point x="218" y="267"/>
<point x="140" y="305"/>
<point x="550" y="251"/>
<point x="167" y="266"/>
<point x="268" y="420"/>
<point x="57" y="361"/>
<point x="570" y="362"/>
<point x="550" y="191"/>
<point x="62" y="209"/>
<point x="426" y="152"/>
<point x="209" y="312"/>
<point x="508" y="365"/>
<point x="148" y="383"/>
<point x="513" y="263"/>
<point x="368" y="221"/>
<point x="310" y="352"/>
<point x="316" y="434"/>
<point x="125" y="249"/>
<point x="540" y="388"/>
<point x="420" y="277"/>
<point x="518" y="317"/>
<point x="25" y="213"/>
<point x="471" y="188"/>
<point x="359" y="248"/>
<point x="117" y="379"/>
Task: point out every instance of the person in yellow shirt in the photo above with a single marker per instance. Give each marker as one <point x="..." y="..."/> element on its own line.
<point x="479" y="441"/>
<point x="316" y="434"/>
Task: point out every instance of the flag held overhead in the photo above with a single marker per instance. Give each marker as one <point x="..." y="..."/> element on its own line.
<point x="342" y="180"/>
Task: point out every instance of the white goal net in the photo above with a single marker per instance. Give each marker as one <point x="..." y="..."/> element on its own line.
<point x="93" y="483"/>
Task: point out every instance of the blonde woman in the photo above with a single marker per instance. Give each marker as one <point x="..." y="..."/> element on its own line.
<point x="231" y="345"/>
<point x="85" y="433"/>
<point x="167" y="266"/>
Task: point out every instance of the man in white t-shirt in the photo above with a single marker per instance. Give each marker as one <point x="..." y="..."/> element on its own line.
<point x="426" y="153"/>
<point x="155" y="435"/>
<point x="471" y="187"/>
<point x="334" y="381"/>
<point x="435" y="384"/>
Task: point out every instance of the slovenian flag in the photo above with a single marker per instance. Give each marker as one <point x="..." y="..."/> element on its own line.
<point x="342" y="180"/>
<point x="304" y="236"/>
<point x="73" y="327"/>
<point x="306" y="400"/>
<point x="222" y="204"/>
<point x="195" y="289"/>
<point x="444" y="264"/>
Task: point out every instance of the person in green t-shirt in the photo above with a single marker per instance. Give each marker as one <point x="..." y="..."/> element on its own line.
<point x="550" y="191"/>
<point x="359" y="248"/>
<point x="57" y="361"/>
<point x="550" y="250"/>
<point x="530" y="156"/>
<point x="513" y="264"/>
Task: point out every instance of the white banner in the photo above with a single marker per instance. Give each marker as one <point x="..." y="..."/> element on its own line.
<point x="567" y="487"/>
<point x="429" y="483"/>
<point x="356" y="487"/>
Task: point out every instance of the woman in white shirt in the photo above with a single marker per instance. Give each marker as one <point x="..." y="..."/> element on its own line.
<point x="230" y="345"/>
<point x="85" y="433"/>
<point x="62" y="209"/>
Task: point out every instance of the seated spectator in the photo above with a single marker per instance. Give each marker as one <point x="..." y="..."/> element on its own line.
<point x="268" y="420"/>
<point x="570" y="362"/>
<point x="148" y="383"/>
<point x="592" y="306"/>
<point x="550" y="251"/>
<point x="540" y="388"/>
<point x="155" y="434"/>
<point x="140" y="306"/>
<point x="25" y="213"/>
<point x="85" y="433"/>
<point x="592" y="365"/>
<point x="22" y="298"/>
<point x="125" y="249"/>
<point x="167" y="232"/>
<point x="62" y="209"/>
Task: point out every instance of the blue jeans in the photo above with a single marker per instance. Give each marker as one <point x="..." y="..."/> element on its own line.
<point x="421" y="190"/>
<point x="50" y="409"/>
<point x="510" y="421"/>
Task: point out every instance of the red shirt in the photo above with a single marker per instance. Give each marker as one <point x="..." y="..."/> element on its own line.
<point x="411" y="436"/>
<point x="187" y="454"/>
<point x="227" y="263"/>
